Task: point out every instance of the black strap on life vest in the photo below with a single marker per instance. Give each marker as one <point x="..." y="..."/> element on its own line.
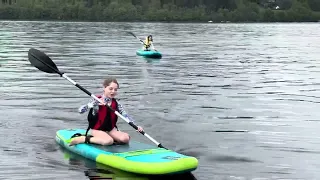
<point x="92" y="120"/>
<point x="90" y="125"/>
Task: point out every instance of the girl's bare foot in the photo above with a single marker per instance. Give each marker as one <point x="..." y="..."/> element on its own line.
<point x="77" y="140"/>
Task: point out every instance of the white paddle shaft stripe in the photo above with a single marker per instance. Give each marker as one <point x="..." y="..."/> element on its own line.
<point x="122" y="117"/>
<point x="96" y="98"/>
<point x="153" y="140"/>
<point x="116" y="112"/>
<point x="70" y="80"/>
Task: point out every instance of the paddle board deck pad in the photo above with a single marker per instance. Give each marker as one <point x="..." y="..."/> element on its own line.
<point x="149" y="54"/>
<point x="134" y="157"/>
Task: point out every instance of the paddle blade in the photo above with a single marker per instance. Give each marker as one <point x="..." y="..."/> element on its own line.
<point x="41" y="61"/>
<point x="132" y="34"/>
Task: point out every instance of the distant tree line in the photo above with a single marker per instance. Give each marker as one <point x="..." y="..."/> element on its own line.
<point x="162" y="10"/>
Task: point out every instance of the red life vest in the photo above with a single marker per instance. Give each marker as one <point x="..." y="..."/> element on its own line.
<point x="104" y="119"/>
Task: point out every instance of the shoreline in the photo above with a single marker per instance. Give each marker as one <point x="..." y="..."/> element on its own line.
<point x="168" y="22"/>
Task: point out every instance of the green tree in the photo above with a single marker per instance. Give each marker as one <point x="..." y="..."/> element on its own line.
<point x="161" y="10"/>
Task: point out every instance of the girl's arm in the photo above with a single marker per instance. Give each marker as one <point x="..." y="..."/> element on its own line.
<point x="123" y="112"/>
<point x="92" y="104"/>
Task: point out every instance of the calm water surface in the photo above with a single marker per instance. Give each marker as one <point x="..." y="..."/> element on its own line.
<point x="242" y="98"/>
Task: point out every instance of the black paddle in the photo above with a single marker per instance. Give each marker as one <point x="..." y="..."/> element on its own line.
<point x="43" y="62"/>
<point x="137" y="38"/>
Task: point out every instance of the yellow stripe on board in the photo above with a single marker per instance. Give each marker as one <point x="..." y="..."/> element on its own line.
<point x="156" y="168"/>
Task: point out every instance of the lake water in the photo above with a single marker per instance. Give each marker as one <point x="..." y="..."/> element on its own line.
<point x="241" y="98"/>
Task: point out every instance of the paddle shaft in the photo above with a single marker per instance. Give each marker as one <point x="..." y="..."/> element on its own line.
<point x="140" y="41"/>
<point x="137" y="38"/>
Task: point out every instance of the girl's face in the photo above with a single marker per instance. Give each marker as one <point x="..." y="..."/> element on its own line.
<point x="111" y="90"/>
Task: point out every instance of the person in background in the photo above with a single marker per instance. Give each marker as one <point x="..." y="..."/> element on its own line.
<point x="148" y="44"/>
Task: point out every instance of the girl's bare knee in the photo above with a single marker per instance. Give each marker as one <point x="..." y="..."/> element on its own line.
<point x="107" y="141"/>
<point x="124" y="138"/>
